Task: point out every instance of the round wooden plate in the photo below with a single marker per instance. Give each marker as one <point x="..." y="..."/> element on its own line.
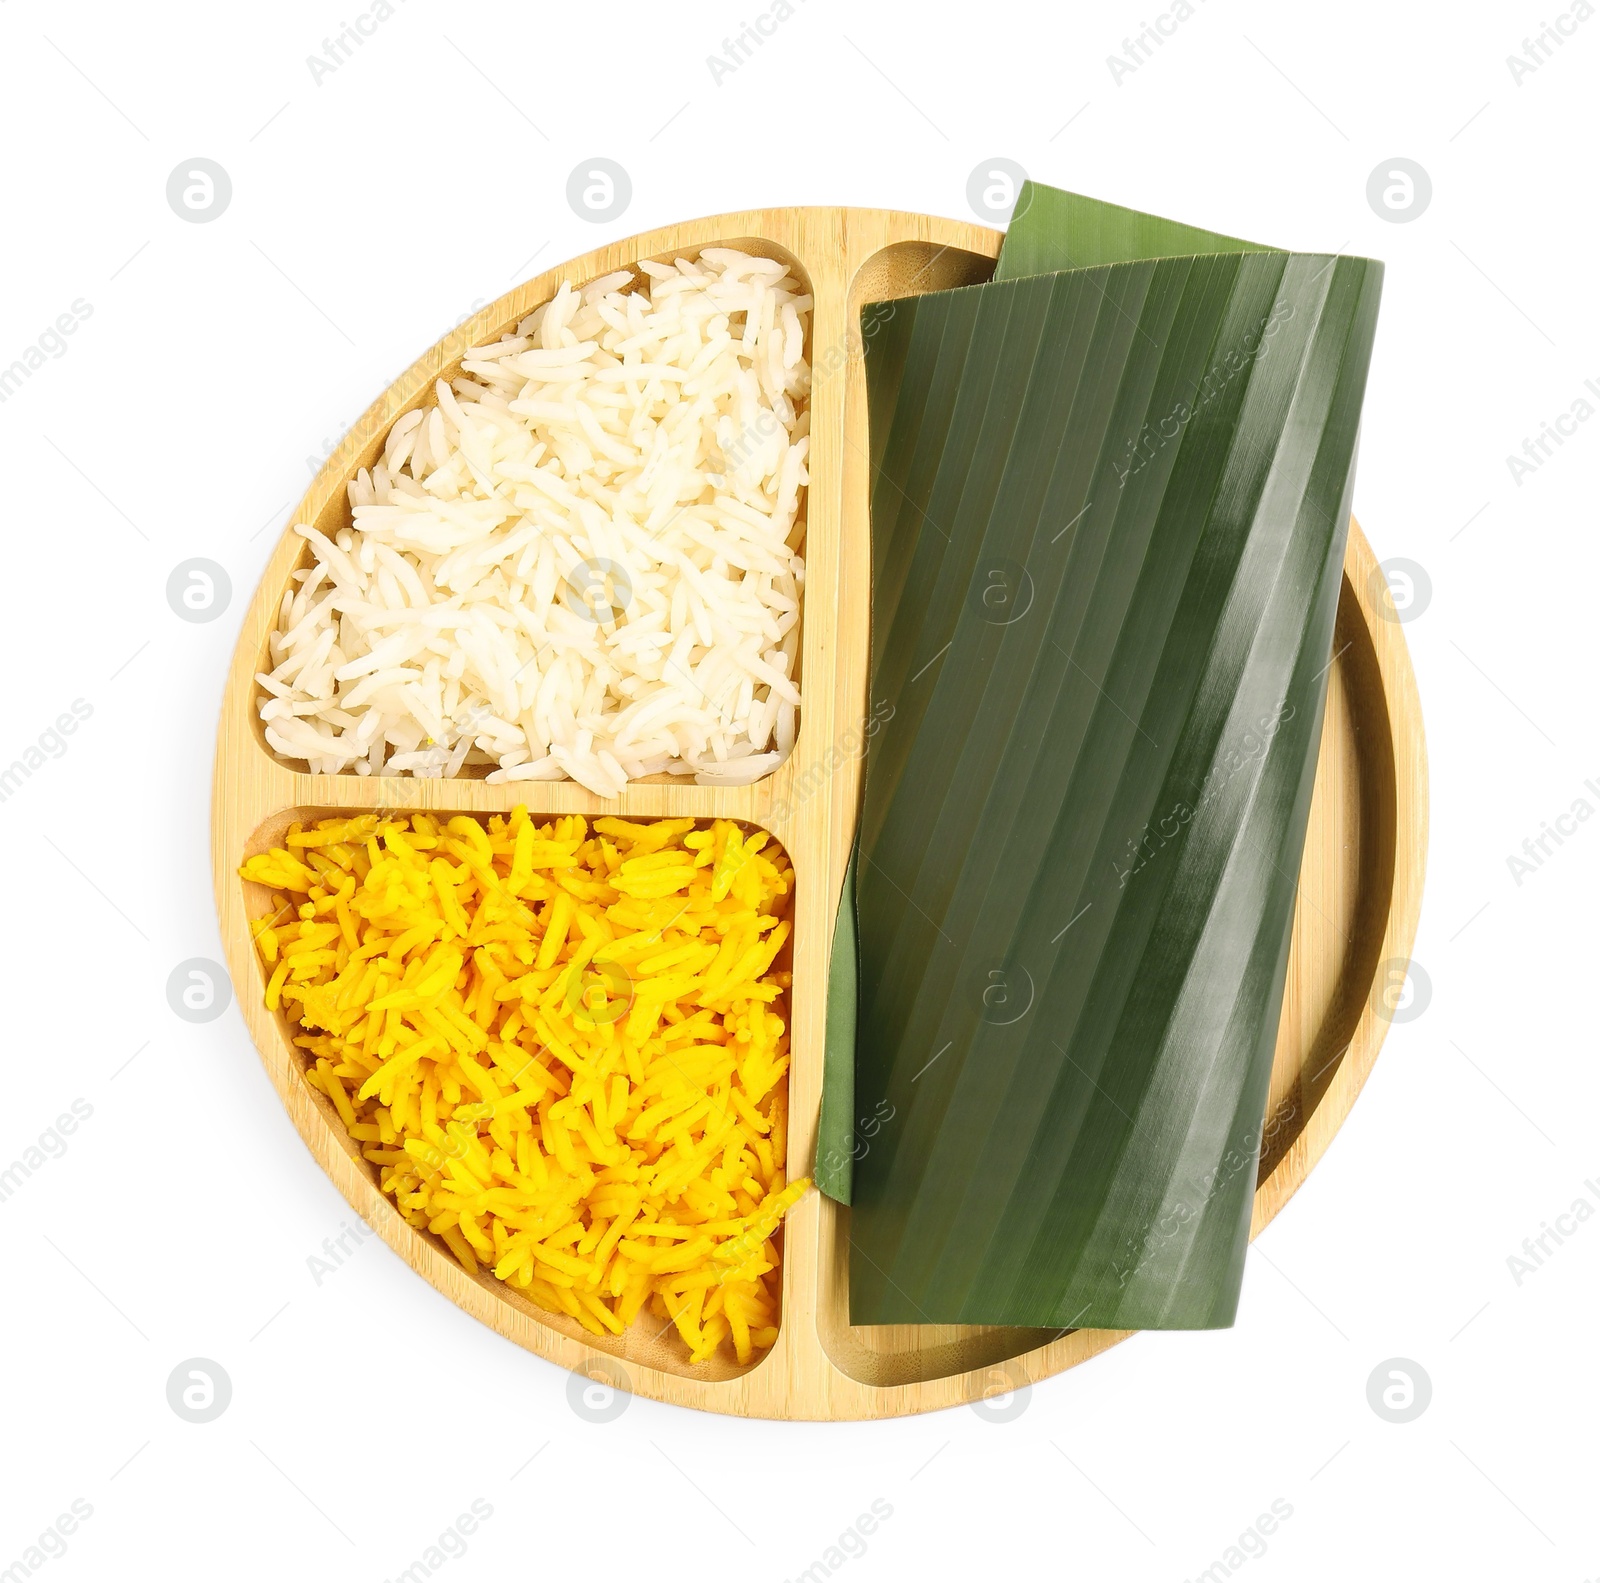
<point x="1360" y="883"/>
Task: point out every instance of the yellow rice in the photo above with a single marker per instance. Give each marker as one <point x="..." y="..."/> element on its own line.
<point x="563" y="1047"/>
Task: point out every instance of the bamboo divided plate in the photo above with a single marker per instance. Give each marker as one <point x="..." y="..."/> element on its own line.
<point x="1360" y="883"/>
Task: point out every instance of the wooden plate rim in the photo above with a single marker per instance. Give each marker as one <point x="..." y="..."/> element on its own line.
<point x="796" y="1379"/>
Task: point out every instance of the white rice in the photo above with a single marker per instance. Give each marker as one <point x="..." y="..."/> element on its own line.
<point x="582" y="560"/>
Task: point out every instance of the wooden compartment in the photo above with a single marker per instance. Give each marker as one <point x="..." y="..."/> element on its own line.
<point x="1360" y="882"/>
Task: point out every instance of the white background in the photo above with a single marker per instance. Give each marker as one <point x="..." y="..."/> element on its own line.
<point x="373" y="210"/>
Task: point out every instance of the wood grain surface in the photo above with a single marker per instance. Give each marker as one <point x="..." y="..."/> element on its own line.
<point x="1359" y="896"/>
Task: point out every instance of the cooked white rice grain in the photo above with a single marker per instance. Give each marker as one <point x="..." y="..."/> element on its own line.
<point x="582" y="559"/>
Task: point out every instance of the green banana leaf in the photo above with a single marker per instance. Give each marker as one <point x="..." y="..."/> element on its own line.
<point x="1109" y="512"/>
<point x="832" y="1172"/>
<point x="1052" y="230"/>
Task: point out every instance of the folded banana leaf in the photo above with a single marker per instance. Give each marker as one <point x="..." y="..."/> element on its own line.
<point x="1053" y="230"/>
<point x="1109" y="508"/>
